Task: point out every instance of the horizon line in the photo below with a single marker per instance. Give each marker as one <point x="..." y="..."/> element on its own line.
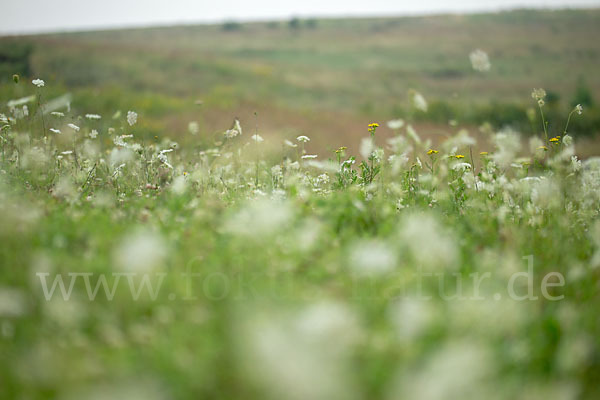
<point x="258" y="20"/>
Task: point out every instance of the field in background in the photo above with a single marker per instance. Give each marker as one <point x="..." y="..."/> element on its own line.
<point x="326" y="78"/>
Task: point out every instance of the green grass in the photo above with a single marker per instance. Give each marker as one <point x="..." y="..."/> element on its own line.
<point x="314" y="278"/>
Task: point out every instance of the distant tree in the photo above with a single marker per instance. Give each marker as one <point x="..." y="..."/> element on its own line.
<point x="294" y="23"/>
<point x="582" y="95"/>
<point x="230" y="26"/>
<point x="14" y="59"/>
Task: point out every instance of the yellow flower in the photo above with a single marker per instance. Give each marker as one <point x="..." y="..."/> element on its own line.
<point x="459" y="156"/>
<point x="374" y="125"/>
<point x="431" y="151"/>
<point x="543" y="148"/>
<point x="555" y="140"/>
<point x="340" y="149"/>
<point x="483" y="153"/>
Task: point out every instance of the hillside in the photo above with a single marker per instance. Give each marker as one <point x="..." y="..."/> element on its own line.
<point x="327" y="77"/>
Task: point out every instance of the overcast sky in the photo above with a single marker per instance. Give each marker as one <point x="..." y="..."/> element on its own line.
<point x="19" y="16"/>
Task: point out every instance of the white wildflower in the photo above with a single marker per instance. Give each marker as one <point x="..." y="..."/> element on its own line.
<point x="93" y="134"/>
<point x="366" y="147"/>
<point x="193" y="128"/>
<point x="237" y="126"/>
<point x="162" y="157"/>
<point x="230" y="133"/>
<point x="57" y="114"/>
<point x="411" y="317"/>
<point x="579" y="109"/>
<point x="412" y="133"/>
<point x="20" y="102"/>
<point x="12" y="302"/>
<point x="259" y="219"/>
<point x="575" y="164"/>
<point x="131" y="118"/>
<point x="74" y="127"/>
<point x="289" y="144"/>
<point x="309" y="156"/>
<point x="120" y="140"/>
<point x="429" y="243"/>
<point x="54" y="130"/>
<point x="257" y="138"/>
<point x="418" y="101"/>
<point x="371" y="257"/>
<point x="140" y="252"/>
<point x="538" y="94"/>
<point x="461" y="166"/>
<point x="38" y="82"/>
<point x="303" y="139"/>
<point x="480" y="60"/>
<point x="93" y="116"/>
<point x="567" y="140"/>
<point x="395" y="124"/>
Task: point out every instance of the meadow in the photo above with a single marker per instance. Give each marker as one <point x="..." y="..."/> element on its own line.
<point x="154" y="247"/>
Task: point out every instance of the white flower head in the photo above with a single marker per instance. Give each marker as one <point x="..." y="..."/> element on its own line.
<point x="418" y="101"/>
<point x="230" y="133"/>
<point x="578" y="109"/>
<point x="38" y="82"/>
<point x="538" y="94"/>
<point x="193" y="128"/>
<point x="289" y="144"/>
<point x="309" y="156"/>
<point x="93" y="134"/>
<point x="480" y="60"/>
<point x="395" y="124"/>
<point x="74" y="127"/>
<point x="303" y="139"/>
<point x="257" y="138"/>
<point x="131" y="118"/>
<point x="54" y="130"/>
<point x="92" y="116"/>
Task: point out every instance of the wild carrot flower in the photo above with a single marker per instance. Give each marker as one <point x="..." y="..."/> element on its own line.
<point x="579" y="109"/>
<point x="303" y="139"/>
<point x="289" y="144"/>
<point x="74" y="127"/>
<point x="417" y="100"/>
<point x="131" y="118"/>
<point x="480" y="60"/>
<point x="54" y="130"/>
<point x="257" y="138"/>
<point x="193" y="128"/>
<point x="309" y="156"/>
<point x="92" y="116"/>
<point x="538" y="94"/>
<point x="38" y="82"/>
<point x="395" y="124"/>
